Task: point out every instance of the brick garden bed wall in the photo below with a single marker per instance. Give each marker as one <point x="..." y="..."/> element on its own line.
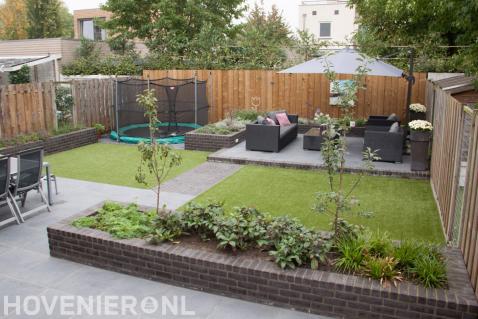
<point x="212" y="142"/>
<point x="257" y="280"/>
<point x="57" y="143"/>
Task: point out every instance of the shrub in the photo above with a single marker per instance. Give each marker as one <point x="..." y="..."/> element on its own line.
<point x="352" y="255"/>
<point x="64" y="104"/>
<point x="383" y="269"/>
<point x="378" y="244"/>
<point x="166" y="227"/>
<point x="200" y="219"/>
<point x="224" y="127"/>
<point x="430" y="271"/>
<point x="21" y="76"/>
<point x="249" y="115"/>
<point x="407" y="253"/>
<point x="120" y="221"/>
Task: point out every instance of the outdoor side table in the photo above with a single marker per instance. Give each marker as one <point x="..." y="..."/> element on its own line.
<point x="313" y="139"/>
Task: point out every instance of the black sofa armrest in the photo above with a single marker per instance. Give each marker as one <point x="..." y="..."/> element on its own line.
<point x="261" y="137"/>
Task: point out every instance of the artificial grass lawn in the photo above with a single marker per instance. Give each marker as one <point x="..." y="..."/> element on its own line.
<point x="405" y="208"/>
<point x="114" y="164"/>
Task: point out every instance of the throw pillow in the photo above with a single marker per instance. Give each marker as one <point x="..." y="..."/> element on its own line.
<point x="282" y="119"/>
<point x="272" y="115"/>
<point x="269" y="121"/>
<point x="394" y="128"/>
<point x="393" y="117"/>
<point x="260" y="119"/>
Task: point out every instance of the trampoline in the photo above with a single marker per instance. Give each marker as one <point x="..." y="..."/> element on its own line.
<point x="182" y="107"/>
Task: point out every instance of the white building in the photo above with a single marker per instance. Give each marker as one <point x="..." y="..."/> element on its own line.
<point x="330" y="20"/>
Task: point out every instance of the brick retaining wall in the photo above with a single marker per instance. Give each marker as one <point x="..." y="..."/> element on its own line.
<point x="57" y="143"/>
<point x="212" y="142"/>
<point x="261" y="281"/>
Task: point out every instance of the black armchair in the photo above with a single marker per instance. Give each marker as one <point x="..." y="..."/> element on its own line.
<point x="388" y="145"/>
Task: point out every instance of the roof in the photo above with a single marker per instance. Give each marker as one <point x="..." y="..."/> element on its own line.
<point x="14" y="63"/>
<point x="346" y="61"/>
<point x="456" y="84"/>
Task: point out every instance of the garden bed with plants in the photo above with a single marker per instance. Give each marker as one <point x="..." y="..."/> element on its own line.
<point x="60" y="140"/>
<point x="222" y="134"/>
<point x="275" y="260"/>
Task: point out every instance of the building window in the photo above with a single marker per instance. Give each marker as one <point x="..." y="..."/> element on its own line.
<point x="336" y="12"/>
<point x="314" y="13"/>
<point x="325" y="30"/>
<point x="89" y="30"/>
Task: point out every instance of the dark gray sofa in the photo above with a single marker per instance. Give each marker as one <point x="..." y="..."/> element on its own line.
<point x="271" y="138"/>
<point x="389" y="145"/>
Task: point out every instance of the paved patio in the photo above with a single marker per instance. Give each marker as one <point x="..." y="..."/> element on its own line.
<point x="27" y="268"/>
<point x="293" y="155"/>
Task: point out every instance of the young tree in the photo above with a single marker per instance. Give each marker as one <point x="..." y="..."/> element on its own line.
<point x="308" y="45"/>
<point x="157" y="159"/>
<point x="45" y="19"/>
<point x="13" y="20"/>
<point x="339" y="199"/>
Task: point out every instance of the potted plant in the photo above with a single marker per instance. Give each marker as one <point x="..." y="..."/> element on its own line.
<point x="100" y="130"/>
<point x="418" y="112"/>
<point x="420" y="134"/>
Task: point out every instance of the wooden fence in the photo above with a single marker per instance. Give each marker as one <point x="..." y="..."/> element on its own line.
<point x="26" y="109"/>
<point x="230" y="90"/>
<point x="454" y="172"/>
<point x="93" y="102"/>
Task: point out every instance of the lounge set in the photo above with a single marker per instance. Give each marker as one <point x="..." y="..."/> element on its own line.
<point x="272" y="133"/>
<point x="20" y="174"/>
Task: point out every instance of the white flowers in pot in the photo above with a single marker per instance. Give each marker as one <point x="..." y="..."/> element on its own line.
<point x="418" y="108"/>
<point x="421" y="126"/>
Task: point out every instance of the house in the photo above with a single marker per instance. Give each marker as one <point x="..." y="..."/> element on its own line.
<point x="329" y="20"/>
<point x="85" y="24"/>
<point x="42" y="68"/>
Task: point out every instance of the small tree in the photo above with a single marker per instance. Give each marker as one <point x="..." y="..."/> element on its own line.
<point x="157" y="159"/>
<point x="339" y="199"/>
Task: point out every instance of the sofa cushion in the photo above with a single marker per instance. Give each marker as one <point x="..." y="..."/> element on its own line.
<point x="284" y="130"/>
<point x="260" y="119"/>
<point x="272" y="115"/>
<point x="269" y="121"/>
<point x="282" y="119"/>
<point x="394" y="128"/>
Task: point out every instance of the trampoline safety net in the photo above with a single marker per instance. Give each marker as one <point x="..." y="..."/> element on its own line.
<point x="182" y="106"/>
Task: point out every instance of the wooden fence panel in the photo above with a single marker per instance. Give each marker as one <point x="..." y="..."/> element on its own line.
<point x="93" y="102"/>
<point x="27" y="109"/>
<point x="232" y="90"/>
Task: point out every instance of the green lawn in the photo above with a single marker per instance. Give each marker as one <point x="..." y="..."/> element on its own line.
<point x="405" y="208"/>
<point x="114" y="164"/>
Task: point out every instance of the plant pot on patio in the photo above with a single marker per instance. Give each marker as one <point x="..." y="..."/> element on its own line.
<point x="420" y="144"/>
<point x="418" y="112"/>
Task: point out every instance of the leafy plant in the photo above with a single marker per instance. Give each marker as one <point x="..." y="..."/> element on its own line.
<point x="120" y="221"/>
<point x="156" y="159"/>
<point x="407" y="253"/>
<point x="383" y="269"/>
<point x="378" y="243"/>
<point x="64" y="128"/>
<point x="430" y="271"/>
<point x="200" y="219"/>
<point x="247" y="115"/>
<point x="351" y="255"/>
<point x="20" y="76"/>
<point x="64" y="104"/>
<point x="100" y="129"/>
<point x="167" y="227"/>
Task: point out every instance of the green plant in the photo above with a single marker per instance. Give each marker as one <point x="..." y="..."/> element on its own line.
<point x="20" y="76"/>
<point x="430" y="270"/>
<point x="248" y="115"/>
<point x="378" y="244"/>
<point x="120" y="221"/>
<point x="65" y="128"/>
<point x="200" y="219"/>
<point x="407" y="253"/>
<point x="156" y="159"/>
<point x="351" y="255"/>
<point x="167" y="227"/>
<point x="100" y="129"/>
<point x="64" y="104"/>
<point x="383" y="269"/>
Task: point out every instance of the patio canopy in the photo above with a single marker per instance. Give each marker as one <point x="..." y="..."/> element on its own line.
<point x="345" y="61"/>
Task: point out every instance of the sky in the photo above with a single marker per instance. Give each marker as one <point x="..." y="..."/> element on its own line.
<point x="289" y="8"/>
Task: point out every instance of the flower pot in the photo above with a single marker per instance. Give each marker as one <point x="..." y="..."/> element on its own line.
<point x="417" y="116"/>
<point x="420" y="144"/>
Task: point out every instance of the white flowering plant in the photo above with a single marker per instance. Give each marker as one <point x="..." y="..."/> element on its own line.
<point x="321" y="118"/>
<point x="418" y="108"/>
<point x="421" y="126"/>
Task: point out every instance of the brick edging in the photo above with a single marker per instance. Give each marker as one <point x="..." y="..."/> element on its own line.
<point x="212" y="142"/>
<point x="58" y="143"/>
<point x="258" y="280"/>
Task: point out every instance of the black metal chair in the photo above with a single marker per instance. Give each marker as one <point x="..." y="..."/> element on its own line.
<point x="5" y="196"/>
<point x="28" y="178"/>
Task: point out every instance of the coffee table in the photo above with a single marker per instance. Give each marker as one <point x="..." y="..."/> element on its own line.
<point x="313" y="139"/>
